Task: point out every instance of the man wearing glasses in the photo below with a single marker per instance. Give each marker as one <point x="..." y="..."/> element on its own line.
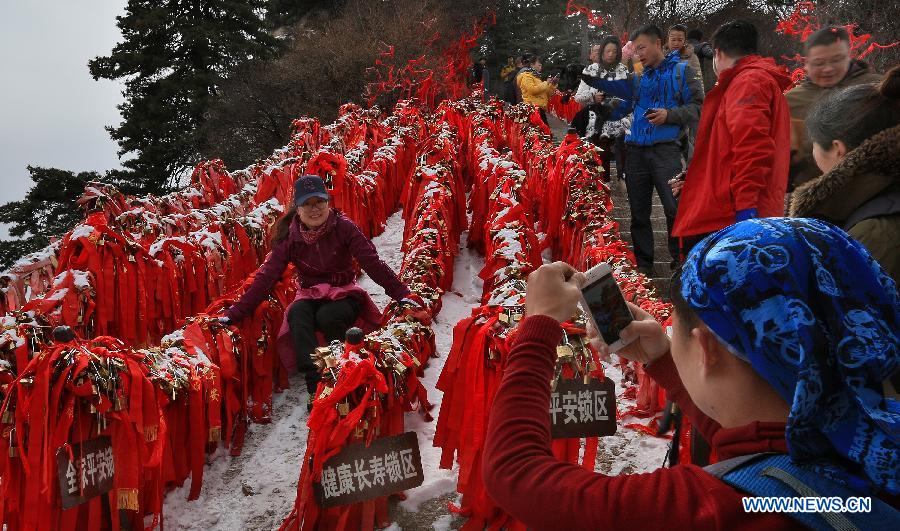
<point x="828" y="67"/>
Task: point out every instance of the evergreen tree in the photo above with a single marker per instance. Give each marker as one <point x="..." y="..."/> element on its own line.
<point x="173" y="55"/>
<point x="49" y="210"/>
<point x="538" y="26"/>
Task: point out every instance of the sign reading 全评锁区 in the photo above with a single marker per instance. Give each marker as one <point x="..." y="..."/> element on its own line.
<point x="360" y="473"/>
<point x="579" y="409"/>
<point x="89" y="472"/>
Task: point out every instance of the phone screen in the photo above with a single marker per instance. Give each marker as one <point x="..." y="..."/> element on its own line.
<point x="606" y="304"/>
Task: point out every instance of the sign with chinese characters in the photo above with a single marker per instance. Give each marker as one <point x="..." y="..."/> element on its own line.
<point x="579" y="409"/>
<point x="358" y="473"/>
<point x="87" y="473"/>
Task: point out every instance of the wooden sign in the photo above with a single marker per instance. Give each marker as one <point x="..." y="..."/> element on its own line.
<point x="88" y="474"/>
<point x="358" y="473"/>
<point x="579" y="409"/>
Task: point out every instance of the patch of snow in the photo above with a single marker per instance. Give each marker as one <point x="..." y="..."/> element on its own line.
<point x="81" y="231"/>
<point x="257" y="489"/>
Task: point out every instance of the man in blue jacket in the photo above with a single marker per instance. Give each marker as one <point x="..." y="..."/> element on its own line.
<point x="666" y="98"/>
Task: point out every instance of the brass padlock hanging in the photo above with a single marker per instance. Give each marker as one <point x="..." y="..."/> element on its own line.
<point x="13" y="451"/>
<point x="564" y="352"/>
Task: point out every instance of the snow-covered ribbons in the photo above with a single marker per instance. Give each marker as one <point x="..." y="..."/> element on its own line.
<point x="561" y="187"/>
<point x="141" y="216"/>
<point x="139" y="269"/>
<point x="502" y="227"/>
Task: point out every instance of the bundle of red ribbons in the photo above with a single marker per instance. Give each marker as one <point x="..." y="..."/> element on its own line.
<point x="563" y="106"/>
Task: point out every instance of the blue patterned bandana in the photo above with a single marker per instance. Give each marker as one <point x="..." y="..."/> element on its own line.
<point x="818" y="319"/>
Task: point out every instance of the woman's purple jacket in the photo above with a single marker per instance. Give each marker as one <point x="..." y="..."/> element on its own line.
<point x="328" y="261"/>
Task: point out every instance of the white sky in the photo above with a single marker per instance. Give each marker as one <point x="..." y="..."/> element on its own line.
<point x="52" y="113"/>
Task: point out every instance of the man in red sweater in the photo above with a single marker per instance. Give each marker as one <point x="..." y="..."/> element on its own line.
<point x="740" y="166"/>
<point x="518" y="460"/>
<point x="721" y="390"/>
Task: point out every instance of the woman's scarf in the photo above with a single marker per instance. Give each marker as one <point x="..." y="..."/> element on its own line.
<point x="312" y="235"/>
<point x="817" y="318"/>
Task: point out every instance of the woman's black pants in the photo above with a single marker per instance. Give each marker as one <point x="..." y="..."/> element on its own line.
<point x="306" y="316"/>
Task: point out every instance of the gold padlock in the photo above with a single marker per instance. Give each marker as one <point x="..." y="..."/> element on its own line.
<point x="564" y="351"/>
<point x="343" y="409"/>
<point x="323" y="351"/>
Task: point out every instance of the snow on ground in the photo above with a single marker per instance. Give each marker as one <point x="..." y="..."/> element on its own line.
<point x="628" y="451"/>
<point x="256" y="490"/>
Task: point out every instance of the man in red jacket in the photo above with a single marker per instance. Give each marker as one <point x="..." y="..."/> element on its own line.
<point x="742" y="154"/>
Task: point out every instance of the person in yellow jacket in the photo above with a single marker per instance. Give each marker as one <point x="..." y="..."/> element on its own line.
<point x="508" y="70"/>
<point x="535" y="91"/>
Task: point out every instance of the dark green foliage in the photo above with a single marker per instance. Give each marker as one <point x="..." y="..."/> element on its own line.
<point x="173" y="55"/>
<point x="49" y="210"/>
<point x="283" y="13"/>
<point x="533" y="26"/>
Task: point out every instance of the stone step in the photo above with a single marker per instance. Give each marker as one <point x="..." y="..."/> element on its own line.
<point x="621" y="207"/>
<point x="660" y="252"/>
<point x="658" y="223"/>
<point x="658" y="235"/>
<point x="663" y="285"/>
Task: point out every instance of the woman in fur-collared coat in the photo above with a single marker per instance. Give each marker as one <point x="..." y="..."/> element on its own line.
<point x="856" y="143"/>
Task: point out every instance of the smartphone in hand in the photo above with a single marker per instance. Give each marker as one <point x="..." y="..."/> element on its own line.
<point x="603" y="301"/>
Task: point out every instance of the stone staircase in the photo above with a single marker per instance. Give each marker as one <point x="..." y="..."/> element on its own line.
<point x="662" y="274"/>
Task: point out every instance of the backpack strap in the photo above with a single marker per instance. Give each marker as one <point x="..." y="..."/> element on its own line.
<point x="883" y="205"/>
<point x="721" y="468"/>
<point x="635" y="89"/>
<point x="775" y="475"/>
<point x="680" y="76"/>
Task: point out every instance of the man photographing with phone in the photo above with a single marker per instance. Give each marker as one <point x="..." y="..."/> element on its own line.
<point x="666" y="99"/>
<point x="785" y="376"/>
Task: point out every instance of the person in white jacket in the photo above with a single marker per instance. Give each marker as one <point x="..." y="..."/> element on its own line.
<point x="606" y="62"/>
